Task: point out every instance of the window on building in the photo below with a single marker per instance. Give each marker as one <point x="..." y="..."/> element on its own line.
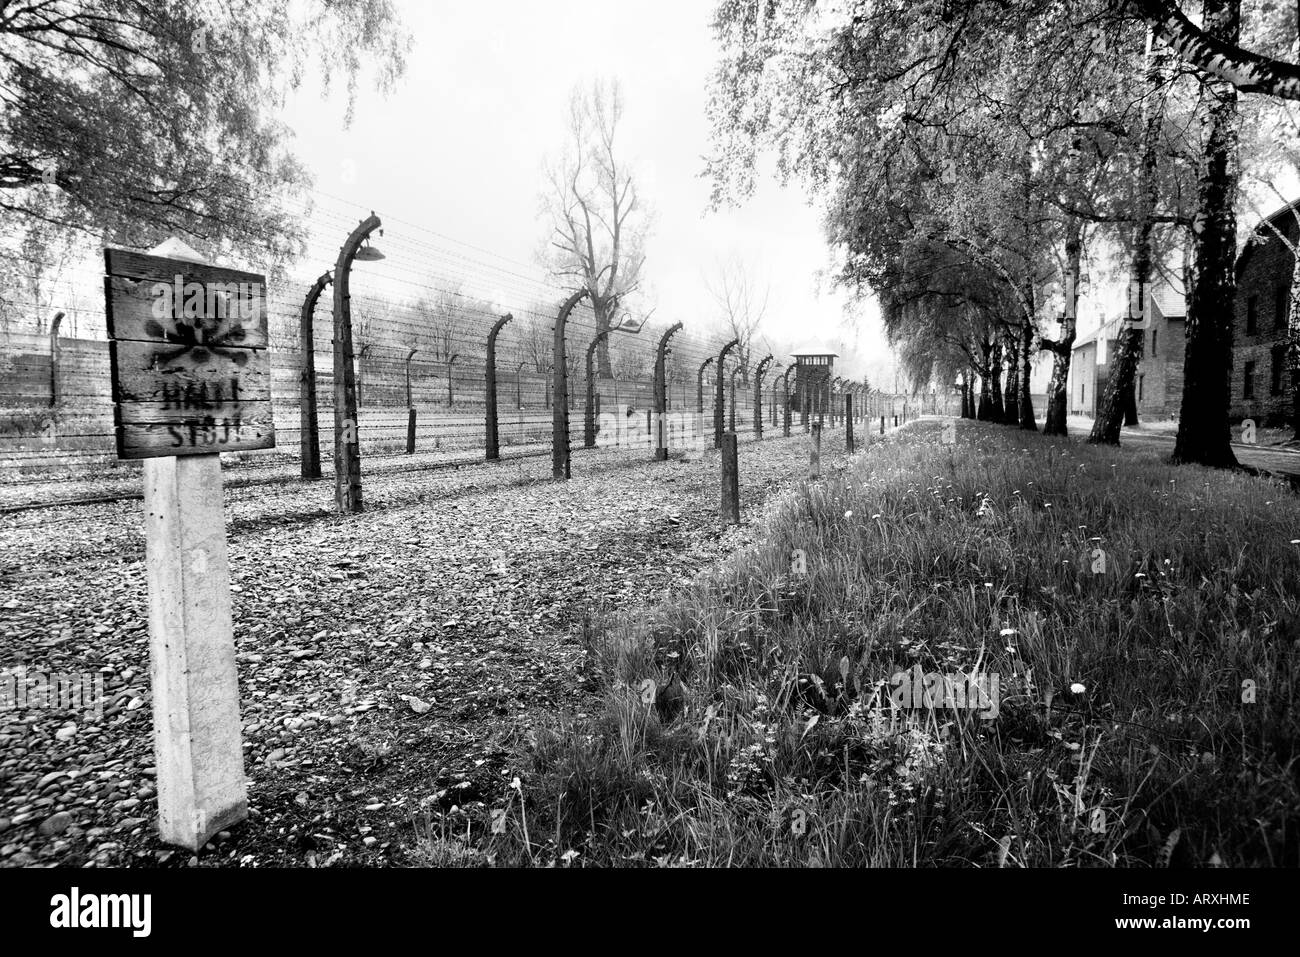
<point x="1248" y="380"/>
<point x="1083" y="393"/>
<point x="1155" y="334"/>
<point x="1252" y="315"/>
<point x="1281" y="304"/>
<point x="1140" y="378"/>
<point x="1276" y="369"/>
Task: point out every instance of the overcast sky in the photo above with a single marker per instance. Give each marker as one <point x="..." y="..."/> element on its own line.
<point x="458" y="148"/>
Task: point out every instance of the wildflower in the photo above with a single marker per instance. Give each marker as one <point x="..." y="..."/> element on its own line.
<point x="1078" y="688"/>
<point x="1008" y="631"/>
<point x="877" y="515"/>
<point x="849" y="513"/>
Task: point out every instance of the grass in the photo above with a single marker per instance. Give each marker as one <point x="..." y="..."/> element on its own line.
<point x="749" y="722"/>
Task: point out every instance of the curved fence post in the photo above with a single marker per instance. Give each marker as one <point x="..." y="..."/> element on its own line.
<point x="661" y="395"/>
<point x="410" y="406"/>
<point x="731" y="413"/>
<point x="493" y="438"/>
<point x="720" y="402"/>
<point x="785" y="404"/>
<point x="450" y="366"/>
<point x="560" y="391"/>
<point x="308" y="428"/>
<point x="590" y="411"/>
<point x="758" y="395"/>
<point x="699" y="385"/>
<point x="347" y="428"/>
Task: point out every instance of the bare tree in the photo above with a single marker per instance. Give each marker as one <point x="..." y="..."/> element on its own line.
<point x="441" y="313"/>
<point x="532" y="342"/>
<point x="598" y="222"/>
<point x="741" y="301"/>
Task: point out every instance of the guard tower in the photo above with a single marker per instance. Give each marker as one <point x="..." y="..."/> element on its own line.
<point x="812" y="381"/>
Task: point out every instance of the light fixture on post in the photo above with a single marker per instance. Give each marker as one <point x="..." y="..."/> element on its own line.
<point x="368" y="253"/>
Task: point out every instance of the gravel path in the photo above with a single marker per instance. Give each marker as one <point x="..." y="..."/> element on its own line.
<point x="388" y="661"/>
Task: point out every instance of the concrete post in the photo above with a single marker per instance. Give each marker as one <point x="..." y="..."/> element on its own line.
<point x="347" y="427"/>
<point x="730" y="480"/>
<point x="720" y="400"/>
<point x="699" y="385"/>
<point x="197" y="746"/>
<point x="661" y="393"/>
<point x="308" y="429"/>
<point x="56" y="386"/>
<point x="560" y="392"/>
<point x="589" y="407"/>
<point x="758" y="396"/>
<point x="493" y="438"/>
<point x="815" y="451"/>
<point x="410" y="406"/>
<point x="848" y="422"/>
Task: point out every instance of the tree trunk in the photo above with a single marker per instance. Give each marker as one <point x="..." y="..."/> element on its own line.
<point x="985" y="410"/>
<point x="1293" y="344"/>
<point x="1118" y="404"/>
<point x="603" y="307"/>
<point x="1011" y="396"/>
<point x="1063" y="349"/>
<point x="997" y="409"/>
<point x="1131" y="406"/>
<point x="1203" y="433"/>
<point x="1027" y="421"/>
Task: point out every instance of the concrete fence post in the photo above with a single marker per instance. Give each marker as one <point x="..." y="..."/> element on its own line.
<point x="848" y="422"/>
<point x="589" y="407"/>
<point x="308" y="428"/>
<point x="730" y="480"/>
<point x="785" y="402"/>
<point x="661" y="393"/>
<point x="758" y="396"/>
<point x="56" y="387"/>
<point x="560" y="392"/>
<point x="493" y="442"/>
<point x="720" y="399"/>
<point x="815" y="451"/>
<point x="347" y="427"/>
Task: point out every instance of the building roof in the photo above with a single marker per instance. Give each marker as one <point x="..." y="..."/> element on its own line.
<point x="1261" y="234"/>
<point x="814" y="349"/>
<point x="1110" y="325"/>
<point x="1169" y="298"/>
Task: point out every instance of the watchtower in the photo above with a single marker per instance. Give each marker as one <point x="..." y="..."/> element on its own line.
<point x="813" y="370"/>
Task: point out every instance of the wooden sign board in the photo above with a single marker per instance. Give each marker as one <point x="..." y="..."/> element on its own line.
<point x="190" y="365"/>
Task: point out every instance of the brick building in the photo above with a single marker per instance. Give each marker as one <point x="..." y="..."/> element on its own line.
<point x="1159" y="382"/>
<point x="1261" y="389"/>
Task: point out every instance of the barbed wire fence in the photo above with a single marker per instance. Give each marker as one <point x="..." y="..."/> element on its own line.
<point x="422" y="317"/>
